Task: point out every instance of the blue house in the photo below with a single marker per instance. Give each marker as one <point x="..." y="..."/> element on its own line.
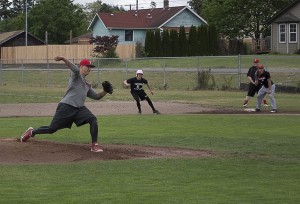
<point x="131" y="26"/>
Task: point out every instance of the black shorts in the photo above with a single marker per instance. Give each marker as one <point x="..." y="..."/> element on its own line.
<point x="252" y="89"/>
<point x="66" y="115"/>
<point x="139" y="95"/>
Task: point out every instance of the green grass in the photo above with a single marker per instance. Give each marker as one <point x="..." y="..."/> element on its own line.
<point x="255" y="157"/>
<point x="218" y="99"/>
<point x="256" y="160"/>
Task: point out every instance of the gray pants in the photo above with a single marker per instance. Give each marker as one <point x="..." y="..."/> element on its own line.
<point x="262" y="93"/>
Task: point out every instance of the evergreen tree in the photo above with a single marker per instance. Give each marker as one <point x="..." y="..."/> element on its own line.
<point x="158" y="45"/>
<point x="148" y="42"/>
<point x="213" y="40"/>
<point x="152" y="44"/>
<point x="193" y="49"/>
<point x="174" y="41"/>
<point x="203" y="44"/>
<point x="183" y="43"/>
<point x="166" y="45"/>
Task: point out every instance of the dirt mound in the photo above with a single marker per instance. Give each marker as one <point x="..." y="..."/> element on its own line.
<point x="41" y="151"/>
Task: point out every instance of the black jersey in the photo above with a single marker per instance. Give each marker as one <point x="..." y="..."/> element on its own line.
<point x="263" y="78"/>
<point x="252" y="72"/>
<point x="135" y="84"/>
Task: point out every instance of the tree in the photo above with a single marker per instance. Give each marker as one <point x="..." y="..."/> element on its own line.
<point x="174" y="41"/>
<point x="19" y="6"/>
<point x="158" y="45"/>
<point x="183" y="44"/>
<point x="166" y="44"/>
<point x="203" y="42"/>
<point x="213" y="40"/>
<point x="153" y="5"/>
<point x="91" y="9"/>
<point x="150" y="43"/>
<point x="239" y="18"/>
<point x="105" y="46"/>
<point x="58" y="18"/>
<point x="196" y="5"/>
<point x="5" y="11"/>
<point x="193" y="39"/>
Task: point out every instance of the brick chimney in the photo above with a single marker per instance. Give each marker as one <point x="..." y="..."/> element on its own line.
<point x="166" y="3"/>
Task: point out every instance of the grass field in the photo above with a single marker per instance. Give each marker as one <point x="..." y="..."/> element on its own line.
<point x="256" y="160"/>
<point x="255" y="157"/>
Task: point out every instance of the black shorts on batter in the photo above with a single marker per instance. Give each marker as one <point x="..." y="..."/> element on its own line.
<point x="252" y="89"/>
<point x="139" y="95"/>
<point x="66" y="115"/>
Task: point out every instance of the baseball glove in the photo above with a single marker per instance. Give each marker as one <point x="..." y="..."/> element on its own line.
<point x="107" y="87"/>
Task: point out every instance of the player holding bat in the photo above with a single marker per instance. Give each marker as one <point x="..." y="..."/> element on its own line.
<point x="71" y="108"/>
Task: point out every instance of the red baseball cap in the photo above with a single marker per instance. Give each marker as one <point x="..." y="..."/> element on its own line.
<point x="86" y="62"/>
<point x="256" y="61"/>
<point x="260" y="66"/>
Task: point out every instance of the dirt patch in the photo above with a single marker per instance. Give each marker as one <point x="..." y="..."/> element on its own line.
<point x="100" y="108"/>
<point x="41" y="151"/>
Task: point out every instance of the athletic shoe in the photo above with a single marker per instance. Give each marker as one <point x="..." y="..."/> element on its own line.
<point x="26" y="135"/>
<point x="273" y="111"/>
<point x="266" y="105"/>
<point x="156" y="112"/>
<point x="245" y="105"/>
<point x="257" y="110"/>
<point x="96" y="148"/>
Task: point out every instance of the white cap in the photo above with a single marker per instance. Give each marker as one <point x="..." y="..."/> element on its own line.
<point x="139" y="72"/>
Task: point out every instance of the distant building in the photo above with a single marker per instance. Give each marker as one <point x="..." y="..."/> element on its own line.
<point x="285" y="29"/>
<point x="17" y="38"/>
<point x="132" y="26"/>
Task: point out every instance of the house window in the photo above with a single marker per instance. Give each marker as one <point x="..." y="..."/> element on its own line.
<point x="293" y="33"/>
<point x="128" y="35"/>
<point x="282" y="33"/>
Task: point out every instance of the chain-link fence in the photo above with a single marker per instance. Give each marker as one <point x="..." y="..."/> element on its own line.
<point x="185" y="73"/>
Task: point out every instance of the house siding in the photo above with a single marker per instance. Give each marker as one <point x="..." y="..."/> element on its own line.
<point x="100" y="30"/>
<point x="186" y="19"/>
<point x="286" y="48"/>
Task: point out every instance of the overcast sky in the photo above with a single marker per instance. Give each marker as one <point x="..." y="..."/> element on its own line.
<point x="142" y="3"/>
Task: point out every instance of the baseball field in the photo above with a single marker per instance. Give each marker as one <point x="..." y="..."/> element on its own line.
<point x="203" y="148"/>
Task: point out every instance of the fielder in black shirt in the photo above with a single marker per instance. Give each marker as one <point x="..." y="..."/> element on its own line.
<point x="137" y="91"/>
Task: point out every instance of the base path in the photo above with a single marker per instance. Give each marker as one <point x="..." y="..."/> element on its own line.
<point x="101" y="108"/>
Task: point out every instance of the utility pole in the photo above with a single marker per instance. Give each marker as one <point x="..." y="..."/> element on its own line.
<point x="26" y="26"/>
<point x="130" y="6"/>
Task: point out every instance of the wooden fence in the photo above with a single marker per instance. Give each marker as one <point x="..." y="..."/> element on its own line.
<point x="44" y="53"/>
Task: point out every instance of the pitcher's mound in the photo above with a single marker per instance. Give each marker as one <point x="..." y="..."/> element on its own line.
<point x="41" y="151"/>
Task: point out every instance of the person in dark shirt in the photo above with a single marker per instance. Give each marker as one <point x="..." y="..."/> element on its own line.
<point x="252" y="88"/>
<point x="268" y="87"/>
<point x="137" y="91"/>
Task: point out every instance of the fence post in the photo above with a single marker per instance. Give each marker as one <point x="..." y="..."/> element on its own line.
<point x="1" y="72"/>
<point x="198" y="72"/>
<point x="22" y="72"/>
<point x="239" y="71"/>
<point x="98" y="71"/>
<point x="165" y="72"/>
<point x="48" y="67"/>
<point x="126" y="69"/>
